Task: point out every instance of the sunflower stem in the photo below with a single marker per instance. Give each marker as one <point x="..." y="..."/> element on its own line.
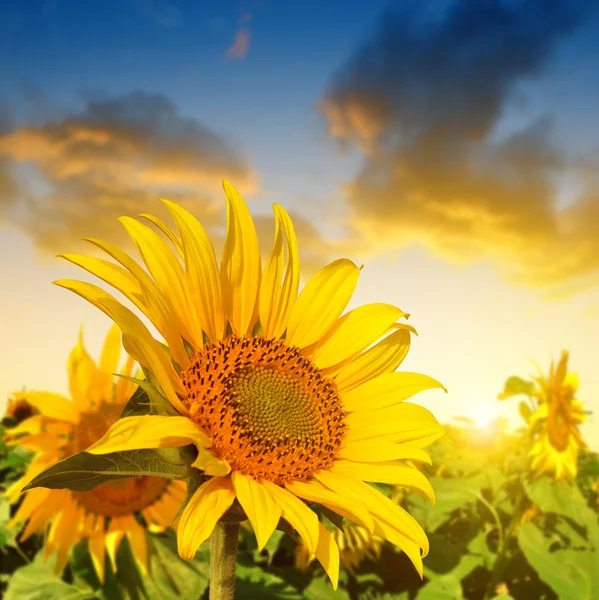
<point x="502" y="558"/>
<point x="223" y="554"/>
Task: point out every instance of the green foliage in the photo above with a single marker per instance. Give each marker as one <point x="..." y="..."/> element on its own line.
<point x="147" y="399"/>
<point x="481" y="547"/>
<point x="514" y="386"/>
<point x="563" y="570"/>
<point x="447" y="587"/>
<point x="36" y="582"/>
<point x="84" y="471"/>
<point x="253" y="582"/>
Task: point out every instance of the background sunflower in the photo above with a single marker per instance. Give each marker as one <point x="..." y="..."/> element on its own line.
<point x="64" y="426"/>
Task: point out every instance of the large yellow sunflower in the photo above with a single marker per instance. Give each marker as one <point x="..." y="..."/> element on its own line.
<point x="556" y="423"/>
<point x="65" y="426"/>
<point x="286" y="400"/>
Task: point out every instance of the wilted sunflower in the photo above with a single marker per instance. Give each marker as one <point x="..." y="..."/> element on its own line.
<point x="556" y="423"/>
<point x="65" y="426"/>
<point x="281" y="395"/>
<point x="355" y="546"/>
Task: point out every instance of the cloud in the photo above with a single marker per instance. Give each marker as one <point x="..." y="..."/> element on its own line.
<point x="241" y="44"/>
<point x="73" y="177"/>
<point x="422" y="100"/>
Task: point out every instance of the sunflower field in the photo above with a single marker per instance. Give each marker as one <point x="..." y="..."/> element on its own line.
<point x="266" y="448"/>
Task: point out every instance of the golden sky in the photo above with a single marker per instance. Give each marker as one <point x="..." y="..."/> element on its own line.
<point x="451" y="149"/>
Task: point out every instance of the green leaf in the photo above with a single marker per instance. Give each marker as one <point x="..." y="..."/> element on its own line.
<point x="83" y="471"/>
<point x="335" y="518"/>
<point x="36" y="582"/>
<point x="479" y="548"/>
<point x="443" y="557"/>
<point x="145" y="400"/>
<point x="524" y="411"/>
<point x="559" y="570"/>
<point x="451" y="494"/>
<point x="514" y="386"/>
<point x="561" y="497"/>
<point x="273" y="544"/>
<point x="447" y="587"/>
<point x="253" y="582"/>
<point x="172" y="577"/>
<point x="321" y="589"/>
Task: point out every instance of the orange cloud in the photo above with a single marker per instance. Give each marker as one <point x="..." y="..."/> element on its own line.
<point x="422" y="103"/>
<point x="116" y="157"/>
<point x="241" y="44"/>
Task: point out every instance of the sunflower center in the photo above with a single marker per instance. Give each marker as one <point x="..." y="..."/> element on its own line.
<point x="559" y="425"/>
<point x="115" y="498"/>
<point x="269" y="411"/>
<point x="273" y="405"/>
<point x="122" y="497"/>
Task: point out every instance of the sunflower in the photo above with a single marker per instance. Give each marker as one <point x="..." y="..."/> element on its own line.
<point x="355" y="545"/>
<point x="287" y="401"/>
<point x="65" y="426"/>
<point x="555" y="423"/>
<point x="18" y="409"/>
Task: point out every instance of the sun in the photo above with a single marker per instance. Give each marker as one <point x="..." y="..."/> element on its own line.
<point x="483" y="414"/>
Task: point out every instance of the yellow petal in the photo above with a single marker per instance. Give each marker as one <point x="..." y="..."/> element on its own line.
<point x="41" y="442"/>
<point x="350" y="508"/>
<point x="63" y="533"/>
<point x="86" y="383"/>
<point x="111" y="354"/>
<point x="572" y="380"/>
<point x="399" y="423"/>
<point x="262" y="511"/>
<point x="147" y="297"/>
<point x="137" y="340"/>
<point x="33" y="499"/>
<point x="399" y="539"/>
<point x="241" y="265"/>
<point x="327" y="553"/>
<point x="166" y="230"/>
<point x="321" y="302"/>
<point x="201" y="270"/>
<point x="386" y="390"/>
<point x="386" y="472"/>
<point x="296" y="513"/>
<point x="114" y="536"/>
<point x="374" y="450"/>
<point x="42" y="515"/>
<point x="112" y="274"/>
<point x="51" y="405"/>
<point x="210" y="464"/>
<point x="378" y="504"/>
<point x="149" y="431"/>
<point x="382" y="358"/>
<point x="31" y="425"/>
<point x="278" y="291"/>
<point x="137" y="539"/>
<point x="97" y="552"/>
<point x="125" y="388"/>
<point x="166" y="272"/>
<point x="209" y="503"/>
<point x="353" y="332"/>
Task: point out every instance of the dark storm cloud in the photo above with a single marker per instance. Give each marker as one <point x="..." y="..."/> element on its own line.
<point x="422" y="99"/>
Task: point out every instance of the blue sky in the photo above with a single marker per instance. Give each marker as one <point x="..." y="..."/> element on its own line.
<point x="505" y="274"/>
